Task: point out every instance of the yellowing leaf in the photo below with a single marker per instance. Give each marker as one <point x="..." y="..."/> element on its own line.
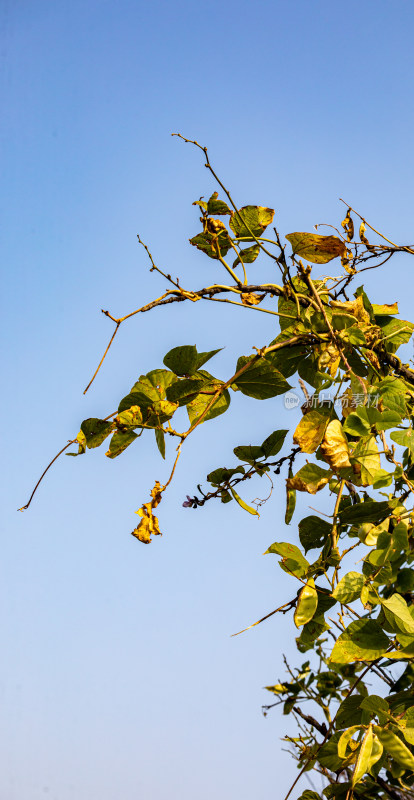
<point x="355" y="307"/>
<point x="306" y="605"/>
<point x="363" y="761"/>
<point x="385" y="310"/>
<point x="309" y="433"/>
<point x="395" y="747"/>
<point x="349" y="588"/>
<point x="315" y="248"/>
<point x="335" y="447"/>
<point x="310" y="478"/>
<point x="363" y="640"/>
<point x="250" y="221"/>
<point x="366" y="455"/>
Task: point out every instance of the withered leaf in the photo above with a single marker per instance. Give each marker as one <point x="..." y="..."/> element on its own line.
<point x="149" y="523"/>
<point x="355" y="307"/>
<point x="251" y="299"/>
<point x="335" y="447"/>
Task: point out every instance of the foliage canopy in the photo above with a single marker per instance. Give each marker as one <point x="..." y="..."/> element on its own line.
<point x="355" y="441"/>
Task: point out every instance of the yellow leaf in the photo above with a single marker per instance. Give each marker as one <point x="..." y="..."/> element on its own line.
<point x="149" y="523"/>
<point x="309" y="433"/>
<point x="348" y="402"/>
<point x="335" y="447"/>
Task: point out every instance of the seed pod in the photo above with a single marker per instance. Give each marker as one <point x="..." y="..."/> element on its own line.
<point x="348" y="225"/>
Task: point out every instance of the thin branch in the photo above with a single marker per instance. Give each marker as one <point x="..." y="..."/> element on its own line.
<point x="23" y="508"/>
<point x="407" y="249"/>
<point x="103" y="357"/>
<point x="320" y="726"/>
<point x="287" y="606"/>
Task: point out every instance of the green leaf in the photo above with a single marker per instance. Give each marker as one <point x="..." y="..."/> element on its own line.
<point x="250" y="221"/>
<point x="397" y="608"/>
<point x="248" y="255"/>
<point x="405" y="438"/>
<point x="315" y="248"/>
<point x="309" y="795"/>
<point x="95" y="431"/>
<point x="357" y="422"/>
<point x="354" y="336"/>
<point x="274" y="443"/>
<point x="341" y="322"/>
<point x="213" y="245"/>
<point x="202" y="358"/>
<point x="160" y="439"/>
<point x="306" y="604"/>
<point x="182" y="360"/>
<point x="159" y="412"/>
<point x="366" y="454"/>
<point x="222" y="475"/>
<point x="144" y="393"/>
<point x="249" y="453"/>
<point x="349" y="712"/>
<point x="328" y="754"/>
<point x="217" y="207"/>
<point x="197" y="406"/>
<point x="131" y="418"/>
<point x="395" y="747"/>
<point x="387" y="419"/>
<point x="185" y="390"/>
<point x="119" y="442"/>
<point x="405" y="580"/>
<point x="376" y="706"/>
<point x="397" y="331"/>
<point x="406" y="725"/>
<point x="261" y="380"/>
<point x="242" y="503"/>
<point x="292" y="559"/>
<point x="158" y="379"/>
<point x="369" y="511"/>
<point x="288" y="359"/>
<point x="392" y="392"/>
<point x="349" y="588"/>
<point x="313" y="532"/>
<point x="363" y="640"/>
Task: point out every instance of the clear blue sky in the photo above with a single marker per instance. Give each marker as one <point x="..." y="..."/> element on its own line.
<point x="119" y="678"/>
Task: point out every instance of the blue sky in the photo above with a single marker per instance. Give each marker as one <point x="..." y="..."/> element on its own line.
<point x="119" y="676"/>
